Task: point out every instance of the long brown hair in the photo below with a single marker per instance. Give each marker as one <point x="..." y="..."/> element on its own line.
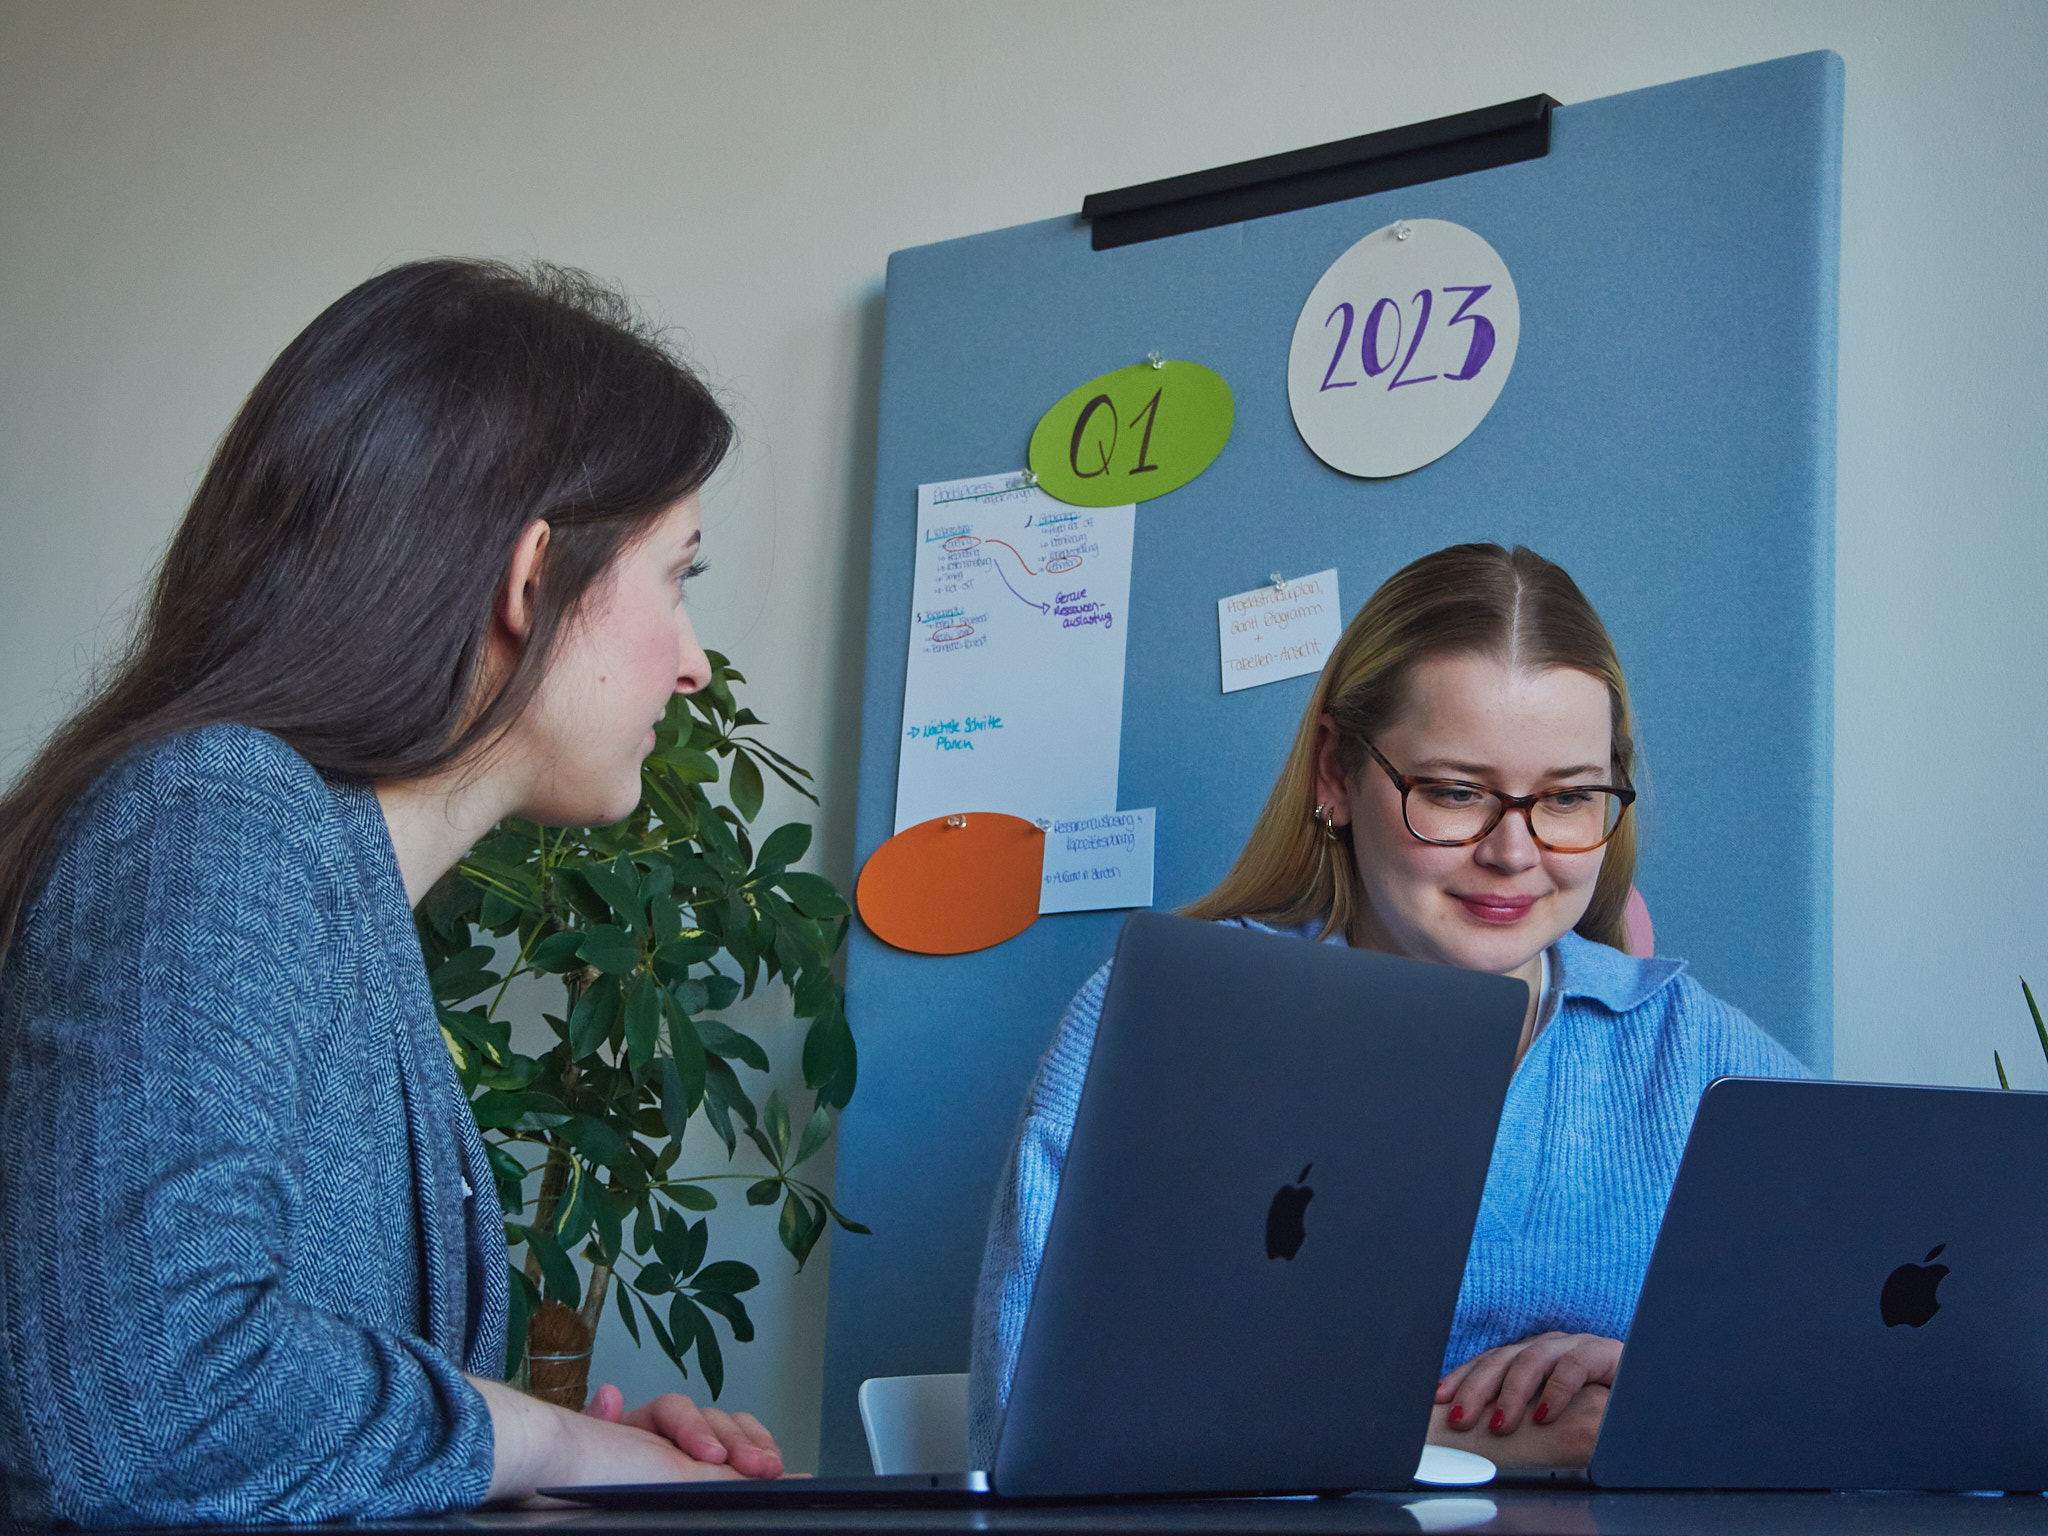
<point x="1470" y="599"/>
<point x="333" y="579"/>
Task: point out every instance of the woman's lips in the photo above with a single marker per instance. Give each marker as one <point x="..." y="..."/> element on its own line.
<point x="1497" y="909"/>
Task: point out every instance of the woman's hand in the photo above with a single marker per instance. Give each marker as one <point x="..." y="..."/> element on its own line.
<point x="537" y="1445"/>
<point x="708" y="1435"/>
<point x="1552" y="1381"/>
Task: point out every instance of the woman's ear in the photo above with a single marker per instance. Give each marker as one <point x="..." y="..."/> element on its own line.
<point x="519" y="594"/>
<point x="1333" y="792"/>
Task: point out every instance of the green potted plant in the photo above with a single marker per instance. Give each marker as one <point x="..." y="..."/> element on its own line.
<point x="651" y="928"/>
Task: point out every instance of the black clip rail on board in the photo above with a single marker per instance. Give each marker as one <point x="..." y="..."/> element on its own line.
<point x="1328" y="173"/>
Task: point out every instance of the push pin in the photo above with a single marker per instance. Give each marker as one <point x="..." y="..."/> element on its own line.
<point x="1154" y="359"/>
<point x="1401" y="230"/>
<point x="1279" y="584"/>
<point x="1027" y="479"/>
<point x="956" y="822"/>
<point x="1042" y="824"/>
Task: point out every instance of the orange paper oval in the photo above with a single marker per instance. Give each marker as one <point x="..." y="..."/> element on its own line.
<point x="954" y="884"/>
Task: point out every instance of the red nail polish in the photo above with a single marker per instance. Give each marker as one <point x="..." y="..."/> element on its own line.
<point x="1457" y="1414"/>
<point x="1543" y="1413"/>
<point x="1500" y="1417"/>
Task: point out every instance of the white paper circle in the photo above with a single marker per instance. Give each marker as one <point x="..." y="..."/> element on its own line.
<point x="1402" y="348"/>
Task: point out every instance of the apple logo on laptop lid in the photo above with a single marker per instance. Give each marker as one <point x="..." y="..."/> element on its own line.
<point x="1908" y="1295"/>
<point x="1284" y="1230"/>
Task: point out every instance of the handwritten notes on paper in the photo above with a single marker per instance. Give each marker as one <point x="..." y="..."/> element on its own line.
<point x="1095" y="862"/>
<point x="1014" y="695"/>
<point x="1278" y="631"/>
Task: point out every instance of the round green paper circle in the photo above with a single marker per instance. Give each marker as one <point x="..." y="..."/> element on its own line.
<point x="1132" y="435"/>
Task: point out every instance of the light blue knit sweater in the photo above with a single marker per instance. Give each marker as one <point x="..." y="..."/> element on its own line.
<point x="1589" y="1141"/>
<point x="239" y="1277"/>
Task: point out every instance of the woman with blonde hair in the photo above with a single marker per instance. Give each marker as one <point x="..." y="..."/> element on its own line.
<point x="1458" y="792"/>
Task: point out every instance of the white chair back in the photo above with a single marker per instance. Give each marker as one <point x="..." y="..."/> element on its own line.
<point x="915" y="1423"/>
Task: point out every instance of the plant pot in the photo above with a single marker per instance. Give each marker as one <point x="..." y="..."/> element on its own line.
<point x="563" y="1380"/>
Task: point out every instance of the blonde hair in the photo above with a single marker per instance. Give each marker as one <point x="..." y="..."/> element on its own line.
<point x="1470" y="599"/>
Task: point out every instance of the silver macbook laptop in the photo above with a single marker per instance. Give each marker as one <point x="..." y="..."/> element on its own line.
<point x="1267" y="1203"/>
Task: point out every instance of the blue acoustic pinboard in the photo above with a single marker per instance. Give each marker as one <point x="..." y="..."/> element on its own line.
<point x="1667" y="434"/>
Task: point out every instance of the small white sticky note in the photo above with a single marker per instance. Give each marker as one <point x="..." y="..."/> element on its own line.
<point x="1278" y="631"/>
<point x="1097" y="862"/>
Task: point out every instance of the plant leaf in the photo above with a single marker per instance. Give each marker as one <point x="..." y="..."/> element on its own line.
<point x="671" y="1238"/>
<point x="847" y="1221"/>
<point x="625" y="1302"/>
<point x="557" y="952"/>
<point x="691" y="766"/>
<point x="592" y="1020"/>
<point x="464" y="975"/>
<point x="675" y="1100"/>
<point x="643" y="1020"/>
<point x="797" y="1228"/>
<point x="727" y="1275"/>
<point x="733" y="1310"/>
<point x="763" y="1191"/>
<point x="830" y="1063"/>
<point x="812" y="895"/>
<point x="668" y="1344"/>
<point x="775" y="1120"/>
<point x="599" y="1142"/>
<point x="724" y="1097"/>
<point x="817" y="1131"/>
<point x="745" y="786"/>
<point x="560" y="1275"/>
<point x="518" y="1307"/>
<point x="696" y="1238"/>
<point x="516" y="1073"/>
<point x="654" y="1280"/>
<point x="496" y="1111"/>
<point x="621" y="893"/>
<point x="721" y="1040"/>
<point x="610" y="948"/>
<point x="686" y="1318"/>
<point x="571" y="886"/>
<point x="610" y="1224"/>
<point x="784" y="846"/>
<point x="673" y="960"/>
<point x="692" y="1197"/>
<point x="573" y="1215"/>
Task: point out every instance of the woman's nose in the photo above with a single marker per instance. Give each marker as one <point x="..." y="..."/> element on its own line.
<point x="1511" y="845"/>
<point x="693" y="669"/>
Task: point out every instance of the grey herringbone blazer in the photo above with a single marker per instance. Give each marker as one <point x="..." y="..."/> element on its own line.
<point x="240" y="1278"/>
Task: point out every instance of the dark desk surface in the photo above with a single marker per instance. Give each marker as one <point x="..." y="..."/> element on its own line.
<point x="1546" y="1511"/>
<point x="1566" y="1513"/>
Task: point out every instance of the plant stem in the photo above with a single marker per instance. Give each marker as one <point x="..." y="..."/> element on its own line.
<point x="553" y="1180"/>
<point x="592" y="1311"/>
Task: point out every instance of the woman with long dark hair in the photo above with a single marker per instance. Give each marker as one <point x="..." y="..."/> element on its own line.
<point x="1459" y="791"/>
<point x="252" y="1265"/>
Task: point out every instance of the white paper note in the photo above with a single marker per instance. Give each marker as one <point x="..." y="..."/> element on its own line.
<point x="1095" y="862"/>
<point x="1013" y="699"/>
<point x="1275" y="632"/>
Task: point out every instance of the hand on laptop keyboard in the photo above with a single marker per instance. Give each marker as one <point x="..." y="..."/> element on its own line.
<point x="1538" y="1402"/>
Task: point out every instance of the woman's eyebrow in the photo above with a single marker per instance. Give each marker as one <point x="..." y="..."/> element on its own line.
<point x="1483" y="770"/>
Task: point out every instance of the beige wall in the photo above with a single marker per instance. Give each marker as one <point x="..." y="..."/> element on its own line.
<point x="184" y="183"/>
